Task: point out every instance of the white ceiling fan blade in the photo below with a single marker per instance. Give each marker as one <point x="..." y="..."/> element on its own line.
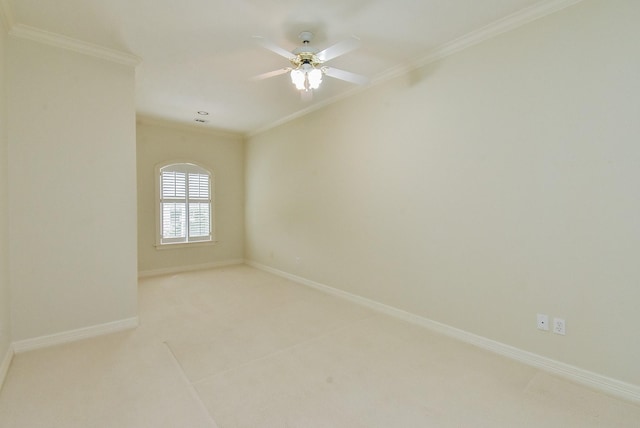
<point x="346" y="75"/>
<point x="271" y="74"/>
<point x="338" y="49"/>
<point x="274" y="48"/>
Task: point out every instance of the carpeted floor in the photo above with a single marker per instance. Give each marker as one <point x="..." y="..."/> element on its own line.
<point x="238" y="347"/>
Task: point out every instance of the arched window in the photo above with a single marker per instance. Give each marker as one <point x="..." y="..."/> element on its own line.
<point x="185" y="197"/>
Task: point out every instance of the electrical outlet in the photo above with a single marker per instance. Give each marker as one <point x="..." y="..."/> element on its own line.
<point x="298" y="260"/>
<point x="543" y="322"/>
<point x="559" y="326"/>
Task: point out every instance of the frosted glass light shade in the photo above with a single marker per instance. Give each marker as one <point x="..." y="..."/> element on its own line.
<point x="298" y="78"/>
<point x="315" y="78"/>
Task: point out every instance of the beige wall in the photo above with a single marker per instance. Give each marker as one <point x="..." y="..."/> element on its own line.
<point x="221" y="153"/>
<point x="72" y="193"/>
<point x="5" y="310"/>
<point x="478" y="191"/>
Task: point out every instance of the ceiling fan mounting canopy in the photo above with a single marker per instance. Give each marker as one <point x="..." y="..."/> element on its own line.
<point x="306" y="36"/>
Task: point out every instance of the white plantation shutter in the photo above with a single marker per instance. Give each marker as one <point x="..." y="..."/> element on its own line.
<point x="198" y="220"/>
<point x="173" y="184"/>
<point x="198" y="186"/>
<point x="185" y="204"/>
<point x="174" y="225"/>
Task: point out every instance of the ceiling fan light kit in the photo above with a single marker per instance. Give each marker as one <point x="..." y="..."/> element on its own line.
<point x="306" y="78"/>
<point x="307" y="70"/>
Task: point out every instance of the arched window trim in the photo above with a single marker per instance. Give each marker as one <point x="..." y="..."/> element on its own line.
<point x="187" y="167"/>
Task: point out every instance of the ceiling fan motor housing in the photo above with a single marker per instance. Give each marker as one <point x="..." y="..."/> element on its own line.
<point x="305" y="58"/>
<point x="305" y="54"/>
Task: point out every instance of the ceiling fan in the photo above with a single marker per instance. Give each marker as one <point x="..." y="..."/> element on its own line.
<point x="307" y="63"/>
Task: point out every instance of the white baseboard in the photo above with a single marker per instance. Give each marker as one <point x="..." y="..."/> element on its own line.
<point x="4" y="366"/>
<point x="602" y="383"/>
<point x="74" y="335"/>
<point x="190" y="268"/>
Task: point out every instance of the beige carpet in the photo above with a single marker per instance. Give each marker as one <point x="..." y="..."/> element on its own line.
<point x="237" y="347"/>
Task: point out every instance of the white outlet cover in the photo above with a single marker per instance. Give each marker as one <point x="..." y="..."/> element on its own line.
<point x="559" y="326"/>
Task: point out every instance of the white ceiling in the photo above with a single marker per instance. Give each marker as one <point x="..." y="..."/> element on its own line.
<point x="200" y="54"/>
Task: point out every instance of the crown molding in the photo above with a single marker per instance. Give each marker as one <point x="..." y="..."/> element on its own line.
<point x="504" y="25"/>
<point x="187" y="127"/>
<point x="496" y="28"/>
<point x="508" y="23"/>
<point x="58" y="40"/>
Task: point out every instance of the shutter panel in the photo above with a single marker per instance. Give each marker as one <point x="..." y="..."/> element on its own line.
<point x="174" y="206"/>
<point x="198" y="186"/>
<point x="199" y="219"/>
<point x="199" y="206"/>
<point x="174" y="216"/>
<point x="174" y="185"/>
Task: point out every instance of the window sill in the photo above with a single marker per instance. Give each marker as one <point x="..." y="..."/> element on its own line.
<point x="185" y="245"/>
